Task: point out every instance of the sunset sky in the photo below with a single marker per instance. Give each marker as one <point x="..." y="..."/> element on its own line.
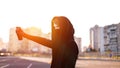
<point x="83" y="14"/>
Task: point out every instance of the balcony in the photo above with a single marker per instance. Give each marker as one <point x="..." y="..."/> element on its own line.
<point x="106" y="44"/>
<point x="113" y="36"/>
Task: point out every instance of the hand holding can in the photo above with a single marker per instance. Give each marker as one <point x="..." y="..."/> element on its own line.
<point x="19" y="33"/>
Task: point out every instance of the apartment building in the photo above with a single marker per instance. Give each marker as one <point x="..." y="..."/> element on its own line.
<point x="112" y="37"/>
<point x="78" y="41"/>
<point x="26" y="45"/>
<point x="96" y="38"/>
<point x="118" y="37"/>
<point x="3" y="45"/>
<point x="13" y="41"/>
<point x="105" y="38"/>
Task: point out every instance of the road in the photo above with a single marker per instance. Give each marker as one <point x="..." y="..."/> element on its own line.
<point x="37" y="62"/>
<point x="17" y="62"/>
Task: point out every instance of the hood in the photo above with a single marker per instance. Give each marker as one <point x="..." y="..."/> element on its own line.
<point x="62" y="28"/>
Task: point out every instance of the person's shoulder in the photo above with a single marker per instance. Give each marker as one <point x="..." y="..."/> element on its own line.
<point x="71" y="42"/>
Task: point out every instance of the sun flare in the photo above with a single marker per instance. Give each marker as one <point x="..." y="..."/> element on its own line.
<point x="45" y="28"/>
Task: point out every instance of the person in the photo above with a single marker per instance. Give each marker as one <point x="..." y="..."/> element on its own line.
<point x="110" y="55"/>
<point x="63" y="45"/>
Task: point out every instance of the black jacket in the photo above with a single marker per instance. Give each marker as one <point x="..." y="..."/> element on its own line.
<point x="64" y="48"/>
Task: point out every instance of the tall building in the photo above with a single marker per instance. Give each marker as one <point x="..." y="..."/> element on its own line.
<point x="26" y="45"/>
<point x="2" y="45"/>
<point x="112" y="37"/>
<point x="105" y="38"/>
<point x="13" y="41"/>
<point x="78" y="41"/>
<point x="96" y="38"/>
<point x="118" y="37"/>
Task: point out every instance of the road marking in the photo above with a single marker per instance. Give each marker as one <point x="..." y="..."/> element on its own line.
<point x="5" y="66"/>
<point x="29" y="65"/>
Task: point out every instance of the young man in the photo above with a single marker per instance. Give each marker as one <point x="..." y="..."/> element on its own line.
<point x="64" y="48"/>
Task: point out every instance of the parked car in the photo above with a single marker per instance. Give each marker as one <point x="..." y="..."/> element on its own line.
<point x="5" y="53"/>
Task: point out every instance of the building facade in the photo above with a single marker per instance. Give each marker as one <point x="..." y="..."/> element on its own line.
<point x="118" y="37"/>
<point x="14" y="44"/>
<point x="112" y="37"/>
<point x="78" y="41"/>
<point x="105" y="39"/>
<point x="96" y="38"/>
<point x="25" y="45"/>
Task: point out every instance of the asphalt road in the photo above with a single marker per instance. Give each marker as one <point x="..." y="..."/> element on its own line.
<point x="37" y="62"/>
<point x="16" y="62"/>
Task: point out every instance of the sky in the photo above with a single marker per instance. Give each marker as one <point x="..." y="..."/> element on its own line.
<point x="83" y="14"/>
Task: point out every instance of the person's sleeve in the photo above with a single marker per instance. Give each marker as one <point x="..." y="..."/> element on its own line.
<point x="40" y="40"/>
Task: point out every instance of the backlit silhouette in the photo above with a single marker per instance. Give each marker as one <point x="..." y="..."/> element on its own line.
<point x="64" y="48"/>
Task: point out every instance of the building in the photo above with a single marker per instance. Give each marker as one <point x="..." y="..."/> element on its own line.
<point x="25" y="45"/>
<point x="112" y="37"/>
<point x="1" y="44"/>
<point x="96" y="38"/>
<point x="78" y="41"/>
<point x="105" y="39"/>
<point x="14" y="44"/>
<point x="118" y="37"/>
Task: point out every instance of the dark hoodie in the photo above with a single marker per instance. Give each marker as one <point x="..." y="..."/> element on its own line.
<point x="64" y="48"/>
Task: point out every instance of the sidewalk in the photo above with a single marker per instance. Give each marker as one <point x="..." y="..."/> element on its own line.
<point x="39" y="59"/>
<point x="48" y="60"/>
<point x="98" y="58"/>
<point x="83" y="62"/>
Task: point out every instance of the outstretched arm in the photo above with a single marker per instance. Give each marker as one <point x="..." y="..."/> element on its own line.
<point x="37" y="39"/>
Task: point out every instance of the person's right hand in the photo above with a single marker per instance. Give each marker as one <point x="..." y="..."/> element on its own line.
<point x="19" y="33"/>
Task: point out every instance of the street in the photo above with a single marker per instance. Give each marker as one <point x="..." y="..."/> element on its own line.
<point x="37" y="62"/>
<point x="16" y="62"/>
